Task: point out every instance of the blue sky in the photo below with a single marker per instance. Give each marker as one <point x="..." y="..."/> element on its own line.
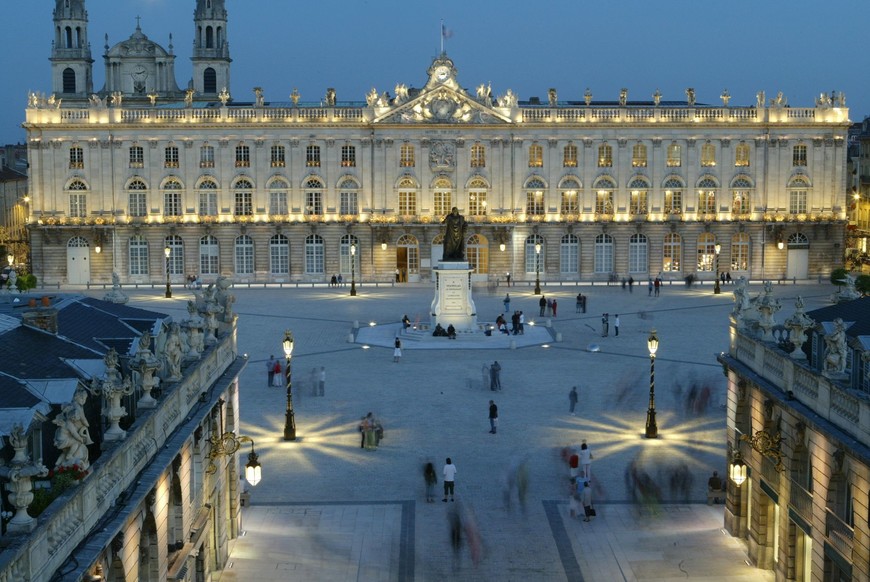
<point x="799" y="47"/>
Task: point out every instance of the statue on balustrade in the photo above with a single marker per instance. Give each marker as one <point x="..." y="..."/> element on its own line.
<point x="835" y="347"/>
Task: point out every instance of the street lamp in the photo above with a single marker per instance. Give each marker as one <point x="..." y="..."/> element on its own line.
<point x="167" y="251"/>
<point x="11" y="259"/>
<point x="737" y="469"/>
<point x="537" y="268"/>
<point x="353" y="270"/>
<point x="716" y="289"/>
<point x="652" y="429"/>
<point x="289" y="416"/>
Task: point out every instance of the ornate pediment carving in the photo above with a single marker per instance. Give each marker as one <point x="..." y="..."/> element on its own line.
<point x="441" y="105"/>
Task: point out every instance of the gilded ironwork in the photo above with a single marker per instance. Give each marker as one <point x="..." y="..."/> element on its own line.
<point x="767" y="444"/>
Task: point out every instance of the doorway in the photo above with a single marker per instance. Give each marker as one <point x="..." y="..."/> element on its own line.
<point x="78" y="269"/>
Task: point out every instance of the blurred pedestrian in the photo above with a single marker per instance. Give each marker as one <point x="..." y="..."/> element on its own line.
<point x="616" y="324"/>
<point x="495" y="376"/>
<point x="586" y="500"/>
<point x="397" y="351"/>
<point x="431" y="479"/>
<point x="449" y="474"/>
<point x="493" y="417"/>
<point x="555" y="306"/>
<point x="507" y="302"/>
<point x="270" y="370"/>
<point x="586" y="461"/>
<point x="572" y="400"/>
<point x="321" y="381"/>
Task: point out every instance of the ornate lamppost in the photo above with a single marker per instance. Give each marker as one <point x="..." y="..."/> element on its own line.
<point x="537" y="268"/>
<point x="167" y="251"/>
<point x="716" y="289"/>
<point x="289" y="416"/>
<point x="353" y="270"/>
<point x="652" y="429"/>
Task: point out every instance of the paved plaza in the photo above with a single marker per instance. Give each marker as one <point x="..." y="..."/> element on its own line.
<point x="329" y="510"/>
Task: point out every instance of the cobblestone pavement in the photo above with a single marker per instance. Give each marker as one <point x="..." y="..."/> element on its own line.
<point x="328" y="510"/>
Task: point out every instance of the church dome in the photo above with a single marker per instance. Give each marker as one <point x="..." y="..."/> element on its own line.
<point x="138" y="45"/>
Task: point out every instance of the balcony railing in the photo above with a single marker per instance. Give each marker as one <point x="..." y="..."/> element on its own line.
<point x="801" y="501"/>
<point x="839" y="533"/>
<point x="769" y="472"/>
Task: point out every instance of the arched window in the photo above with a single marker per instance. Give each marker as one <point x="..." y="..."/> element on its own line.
<point x="741" y="189"/>
<point x="209" y="255"/>
<point x="638" y="191"/>
<point x="673" y="196"/>
<point x="798" y="240"/>
<point x="209" y="81"/>
<point x="243" y="191"/>
<point x="176" y="254"/>
<point x="244" y="255"/>
<point x="137" y="198"/>
<point x="797" y="195"/>
<point x="172" y="204"/>
<point x="477" y="254"/>
<point x="603" y="253"/>
<point x="740" y="252"/>
<point x="208" y="198"/>
<point x="407" y="197"/>
<point x="78" y="199"/>
<point x="477" y="197"/>
<point x="672" y="253"/>
<point x="77" y="242"/>
<point x="535" y="197"/>
<point x="707" y="197"/>
<point x="569" y="255"/>
<point x="313" y="197"/>
<point x="570" y="189"/>
<point x="408" y="256"/>
<point x="69" y="80"/>
<point x="604" y="188"/>
<point x="345" y="255"/>
<point x="535" y="254"/>
<point x="349" y="197"/>
<point x="279" y="255"/>
<point x="209" y="37"/>
<point x="442" y="197"/>
<point x="278" y="189"/>
<point x="138" y="255"/>
<point x="314" y="255"/>
<point x="706" y="251"/>
<point x="638" y="254"/>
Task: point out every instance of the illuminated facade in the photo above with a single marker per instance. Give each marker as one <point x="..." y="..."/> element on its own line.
<point x="272" y="191"/>
<point x="799" y="415"/>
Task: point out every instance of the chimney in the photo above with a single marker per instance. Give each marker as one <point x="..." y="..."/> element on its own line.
<point x="43" y="317"/>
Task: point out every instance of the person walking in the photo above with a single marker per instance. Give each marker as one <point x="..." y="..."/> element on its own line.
<point x="522" y="323"/>
<point x="555" y="305"/>
<point x="495" y="376"/>
<point x="542" y="304"/>
<point x="397" y="351"/>
<point x="321" y="381"/>
<point x="572" y="400"/>
<point x="515" y="323"/>
<point x="586" y="500"/>
<point x="507" y="302"/>
<point x="270" y="370"/>
<point x="649" y="288"/>
<point x="616" y="324"/>
<point x="508" y="278"/>
<point x="449" y="474"/>
<point x="605" y="325"/>
<point x="586" y="461"/>
<point x="278" y="378"/>
<point x="579" y="304"/>
<point x="631" y="284"/>
<point x="657" y="285"/>
<point x="549" y="307"/>
<point x="431" y="480"/>
<point x="493" y="417"/>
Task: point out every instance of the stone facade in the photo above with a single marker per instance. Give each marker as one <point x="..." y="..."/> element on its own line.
<point x="802" y="427"/>
<point x="274" y="191"/>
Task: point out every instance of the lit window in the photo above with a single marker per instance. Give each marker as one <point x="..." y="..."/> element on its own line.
<point x="312" y="156"/>
<point x="797" y="196"/>
<point x="799" y="156"/>
<point x="604" y="196"/>
<point x="639" y="190"/>
<point x="314" y="197"/>
<point x="535" y="197"/>
<point x="675" y="153"/>
<point x="277" y="156"/>
<point x="406" y="156"/>
<point x="741" y="155"/>
<point x="170" y="157"/>
<point x="243" y="156"/>
<point x="478" y="156"/>
<point x="707" y="197"/>
<point x="442" y="198"/>
<point x="673" y="196"/>
<point x="708" y="155"/>
<point x="76" y="158"/>
<point x="706" y="252"/>
<point x="477" y="193"/>
<point x="740" y="252"/>
<point x="638" y="156"/>
<point x="740" y="196"/>
<point x="348" y="156"/>
<point x="569" y="156"/>
<point x="672" y="253"/>
<point x="536" y="156"/>
<point x="407" y="198"/>
<point x="137" y="157"/>
<point x="570" y="199"/>
<point x="206" y="156"/>
<point x="605" y="156"/>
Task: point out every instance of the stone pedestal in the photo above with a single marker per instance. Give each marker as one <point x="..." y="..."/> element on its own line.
<point x="453" y="302"/>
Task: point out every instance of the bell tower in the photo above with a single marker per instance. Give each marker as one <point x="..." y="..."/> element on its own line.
<point x="71" y="62"/>
<point x="211" y="51"/>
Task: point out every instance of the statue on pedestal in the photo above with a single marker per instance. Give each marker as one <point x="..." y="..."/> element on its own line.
<point x="454" y="236"/>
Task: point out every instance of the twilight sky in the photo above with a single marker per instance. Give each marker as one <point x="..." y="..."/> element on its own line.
<point x="799" y="47"/>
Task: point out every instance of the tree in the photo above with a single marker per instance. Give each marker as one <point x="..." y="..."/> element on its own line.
<point x="862" y="284"/>
<point x="838" y="277"/>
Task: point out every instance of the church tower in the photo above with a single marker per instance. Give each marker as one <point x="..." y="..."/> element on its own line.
<point x="71" y="62"/>
<point x="211" y="51"/>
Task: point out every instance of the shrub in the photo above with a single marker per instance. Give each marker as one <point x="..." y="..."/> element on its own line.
<point x="838" y="277"/>
<point x="862" y="284"/>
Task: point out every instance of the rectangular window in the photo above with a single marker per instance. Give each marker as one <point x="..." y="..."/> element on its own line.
<point x="348" y="203"/>
<point x="741" y="202"/>
<point x="604" y="202"/>
<point x="138" y="205"/>
<point x="797" y="202"/>
<point x="569" y="258"/>
<point x="799" y="156"/>
<point x="673" y="201"/>
<point x="209" y="259"/>
<point x="138" y="257"/>
<point x="312" y="156"/>
<point x="76" y="158"/>
<point x="638" y="205"/>
<point x="137" y="157"/>
<point x="406" y="156"/>
<point x="637" y="256"/>
<point x="477" y="203"/>
<point x="674" y="156"/>
<point x="78" y="207"/>
<point x="569" y="156"/>
<point x="244" y="259"/>
<point x="314" y="258"/>
<point x="277" y="156"/>
<point x="170" y="157"/>
<point x="278" y="203"/>
<point x="279" y="258"/>
<point x="536" y="156"/>
<point x="708" y="155"/>
<point x="535" y="203"/>
<point x="570" y="204"/>
<point x="313" y="203"/>
<point x="741" y="156"/>
<point x="208" y="204"/>
<point x="638" y="156"/>
<point x="244" y="204"/>
<point x="348" y="156"/>
<point x="605" y="156"/>
<point x="478" y="156"/>
<point x="706" y="202"/>
<point x="206" y="157"/>
<point x="243" y="156"/>
<point x="407" y="203"/>
<point x="172" y="204"/>
<point x="442" y="199"/>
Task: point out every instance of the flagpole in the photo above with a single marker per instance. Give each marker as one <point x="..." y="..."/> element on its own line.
<point x="441" y="33"/>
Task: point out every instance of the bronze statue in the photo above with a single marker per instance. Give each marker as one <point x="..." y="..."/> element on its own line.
<point x="454" y="236"/>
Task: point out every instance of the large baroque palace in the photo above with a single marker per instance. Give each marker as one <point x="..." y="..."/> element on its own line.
<point x="271" y="191"/>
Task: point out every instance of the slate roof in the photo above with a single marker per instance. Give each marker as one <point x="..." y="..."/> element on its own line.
<point x="100" y="325"/>
<point x="857" y="310"/>
<point x="15" y="394"/>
